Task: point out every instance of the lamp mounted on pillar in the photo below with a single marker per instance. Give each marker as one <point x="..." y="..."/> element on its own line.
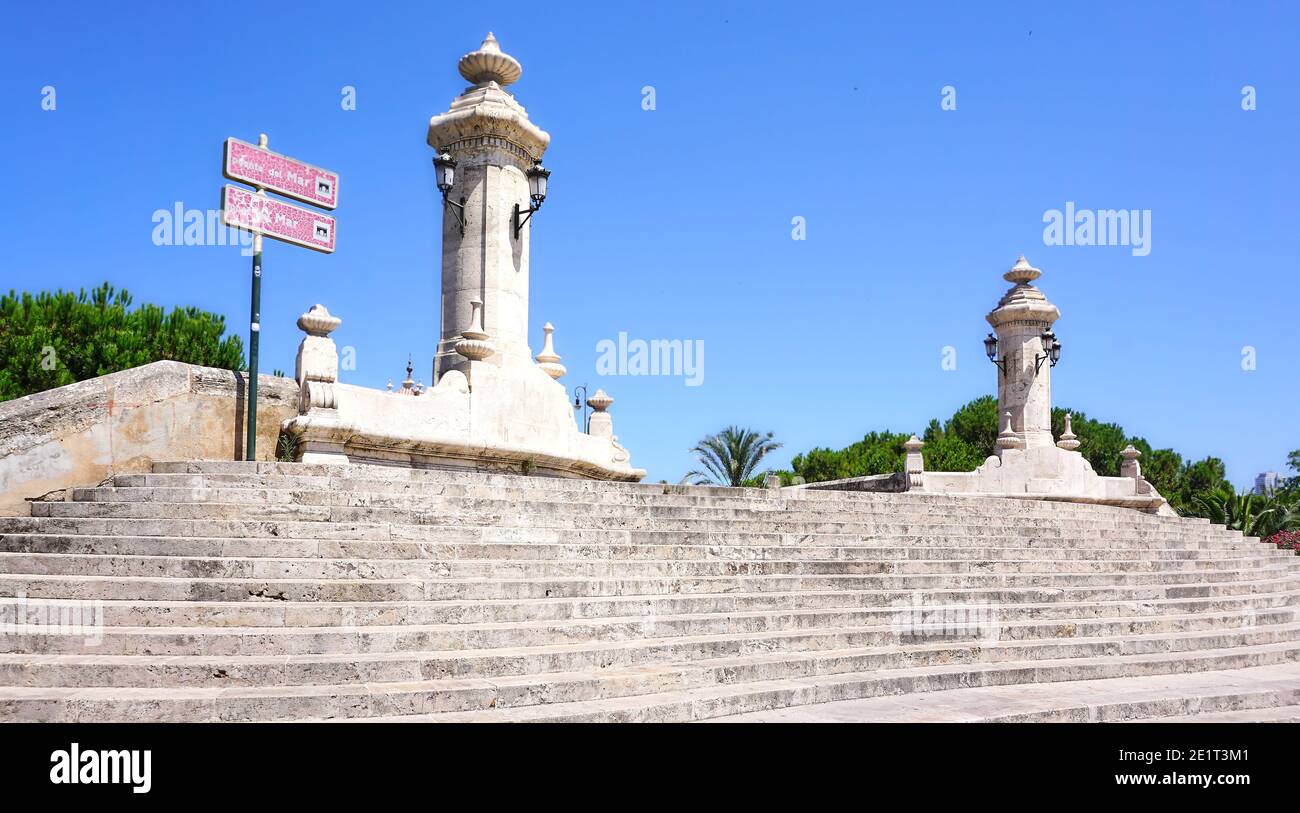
<point x="991" y="350"/>
<point x="445" y="167"/>
<point x="537" y="175"/>
<point x="1051" y="351"/>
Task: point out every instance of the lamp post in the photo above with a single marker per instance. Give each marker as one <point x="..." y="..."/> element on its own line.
<point x="1051" y="351"/>
<point x="537" y="179"/>
<point x="445" y="168"/>
<point x="580" y="403"/>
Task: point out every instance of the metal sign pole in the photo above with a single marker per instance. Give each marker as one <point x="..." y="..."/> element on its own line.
<point x="254" y="331"/>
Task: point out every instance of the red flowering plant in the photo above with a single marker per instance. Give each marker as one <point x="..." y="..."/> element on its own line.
<point x="1286" y="540"/>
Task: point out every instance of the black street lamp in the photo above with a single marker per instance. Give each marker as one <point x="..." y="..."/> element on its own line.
<point x="537" y="179"/>
<point x="445" y="168"/>
<point x="1051" y="348"/>
<point x="991" y="350"/>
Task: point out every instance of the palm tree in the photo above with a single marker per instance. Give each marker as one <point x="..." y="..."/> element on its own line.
<point x="730" y="457"/>
<point x="1252" y="514"/>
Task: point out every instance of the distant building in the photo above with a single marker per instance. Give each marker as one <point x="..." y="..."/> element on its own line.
<point x="1267" y="482"/>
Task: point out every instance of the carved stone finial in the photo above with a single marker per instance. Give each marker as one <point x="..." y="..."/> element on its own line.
<point x="1007" y="438"/>
<point x="600" y="401"/>
<point x="1069" y="441"/>
<point x="475" y="345"/>
<point x="547" y="359"/>
<point x="490" y="64"/>
<point x="1022" y="272"/>
<point x="318" y="322"/>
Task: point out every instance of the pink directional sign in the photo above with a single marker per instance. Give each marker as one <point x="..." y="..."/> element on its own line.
<point x="280" y="174"/>
<point x="275" y="218"/>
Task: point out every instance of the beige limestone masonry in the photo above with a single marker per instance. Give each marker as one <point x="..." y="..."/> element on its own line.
<point x="84" y="433"/>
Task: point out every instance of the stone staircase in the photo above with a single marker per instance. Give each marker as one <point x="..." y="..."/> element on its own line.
<point x="269" y="591"/>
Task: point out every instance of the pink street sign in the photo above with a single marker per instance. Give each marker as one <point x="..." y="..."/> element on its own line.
<point x="280" y="174"/>
<point x="275" y="218"/>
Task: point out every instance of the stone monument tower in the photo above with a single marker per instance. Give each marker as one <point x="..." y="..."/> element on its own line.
<point x="493" y="145"/>
<point x="1020" y="321"/>
<point x="1029" y="463"/>
<point x="492" y="407"/>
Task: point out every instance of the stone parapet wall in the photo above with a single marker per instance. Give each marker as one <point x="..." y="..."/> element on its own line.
<point x="84" y="433"/>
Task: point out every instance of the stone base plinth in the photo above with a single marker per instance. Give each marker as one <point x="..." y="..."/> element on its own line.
<point x="486" y="416"/>
<point x="1044" y="473"/>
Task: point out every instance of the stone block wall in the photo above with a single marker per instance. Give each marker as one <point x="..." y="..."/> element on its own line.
<point x="84" y="433"/>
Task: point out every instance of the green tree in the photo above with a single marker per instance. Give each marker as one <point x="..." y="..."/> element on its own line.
<point x="730" y="457"/>
<point x="876" y="453"/>
<point x="52" y="339"/>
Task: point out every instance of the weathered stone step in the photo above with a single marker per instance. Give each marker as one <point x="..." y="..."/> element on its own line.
<point x="349" y="615"/>
<point x="1259" y="693"/>
<point x="262" y="567"/>
<point x="649" y="505"/>
<point x="664" y="693"/>
<point x="1263" y="714"/>
<point x="510" y="550"/>
<point x="887" y="589"/>
<point x="448" y="532"/>
<point x="713" y="701"/>
<point x="266" y="474"/>
<point x="883" y="626"/>
<point x="758" y="656"/>
<point x="532" y="515"/>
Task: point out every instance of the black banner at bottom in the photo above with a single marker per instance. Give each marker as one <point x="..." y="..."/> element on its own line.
<point x="641" y="763"/>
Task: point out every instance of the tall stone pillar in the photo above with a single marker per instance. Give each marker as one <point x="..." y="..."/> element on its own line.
<point x="1025" y="382"/>
<point x="489" y="136"/>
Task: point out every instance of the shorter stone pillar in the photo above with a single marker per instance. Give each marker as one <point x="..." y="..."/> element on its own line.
<point x="1130" y="467"/>
<point x="600" y="424"/>
<point x="774" y="482"/>
<point x="318" y="360"/>
<point x="914" y="463"/>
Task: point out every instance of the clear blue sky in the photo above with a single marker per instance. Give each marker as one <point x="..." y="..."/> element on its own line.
<point x="675" y="223"/>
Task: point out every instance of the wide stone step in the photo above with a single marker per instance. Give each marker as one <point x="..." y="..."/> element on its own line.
<point x="1263" y="714"/>
<point x="508" y="550"/>
<point x="881" y="626"/>
<point x="882" y="589"/>
<point x="531" y="515"/>
<point x="1100" y="585"/>
<point x="667" y="693"/>
<point x="709" y="702"/>
<point x="759" y="656"/>
<point x="267" y="612"/>
<point x="450" y="532"/>
<point x="1260" y="693"/>
<point x="666" y="506"/>
<point x="1175" y="571"/>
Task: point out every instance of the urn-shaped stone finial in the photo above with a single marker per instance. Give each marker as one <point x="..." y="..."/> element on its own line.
<point x="475" y="345"/>
<point x="601" y="423"/>
<point x="1007" y="438"/>
<point x="600" y="401"/>
<point x="318" y="321"/>
<point x="1022" y="272"/>
<point x="1069" y="441"/>
<point x="490" y="64"/>
<point x="547" y="359"/>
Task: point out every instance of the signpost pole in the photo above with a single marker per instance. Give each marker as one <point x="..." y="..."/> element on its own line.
<point x="254" y="333"/>
<point x="254" y="330"/>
